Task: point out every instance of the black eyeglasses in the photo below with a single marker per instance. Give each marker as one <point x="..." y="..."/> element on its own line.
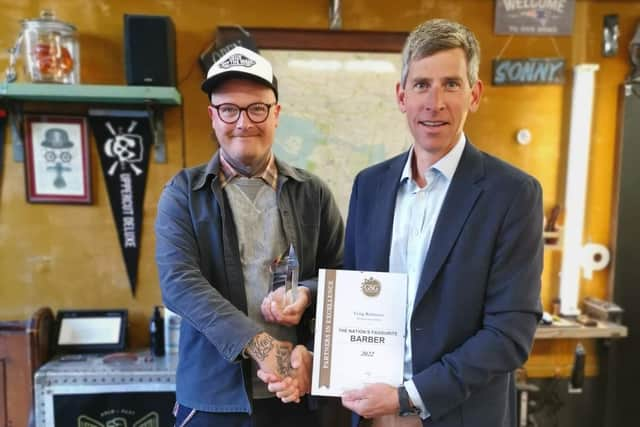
<point x="230" y="113"/>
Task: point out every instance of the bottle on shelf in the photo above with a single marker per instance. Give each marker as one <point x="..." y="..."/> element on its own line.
<point x="156" y="330"/>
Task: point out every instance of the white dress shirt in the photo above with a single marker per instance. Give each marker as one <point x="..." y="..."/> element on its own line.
<point x="416" y="212"/>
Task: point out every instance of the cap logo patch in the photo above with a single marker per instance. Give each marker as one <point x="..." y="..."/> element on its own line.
<point x="236" y="60"/>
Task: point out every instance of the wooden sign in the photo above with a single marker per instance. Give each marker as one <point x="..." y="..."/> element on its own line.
<point x="534" y="17"/>
<point x="528" y="71"/>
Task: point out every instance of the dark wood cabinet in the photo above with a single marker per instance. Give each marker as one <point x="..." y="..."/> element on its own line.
<point x="24" y="346"/>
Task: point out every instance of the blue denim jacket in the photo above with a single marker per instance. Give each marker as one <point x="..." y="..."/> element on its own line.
<point x="201" y="275"/>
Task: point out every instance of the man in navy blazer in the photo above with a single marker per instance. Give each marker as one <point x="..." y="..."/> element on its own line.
<point x="466" y="227"/>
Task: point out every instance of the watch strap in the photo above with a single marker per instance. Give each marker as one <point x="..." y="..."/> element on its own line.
<point x="405" y="406"/>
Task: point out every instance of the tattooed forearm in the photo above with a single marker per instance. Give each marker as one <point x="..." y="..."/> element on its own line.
<point x="283" y="359"/>
<point x="260" y="346"/>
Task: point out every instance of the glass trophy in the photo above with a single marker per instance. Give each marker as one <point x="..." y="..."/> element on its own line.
<point x="291" y="280"/>
<point x="285" y="273"/>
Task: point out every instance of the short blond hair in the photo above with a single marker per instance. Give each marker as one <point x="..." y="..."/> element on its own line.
<point x="436" y="35"/>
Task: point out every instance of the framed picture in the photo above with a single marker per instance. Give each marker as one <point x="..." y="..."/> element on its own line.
<point x="91" y="331"/>
<point x="57" y="167"/>
<point x="337" y="92"/>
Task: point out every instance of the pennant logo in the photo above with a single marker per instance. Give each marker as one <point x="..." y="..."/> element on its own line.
<point x="126" y="149"/>
<point x="124" y="141"/>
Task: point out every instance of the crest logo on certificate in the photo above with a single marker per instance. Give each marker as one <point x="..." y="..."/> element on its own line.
<point x="360" y="330"/>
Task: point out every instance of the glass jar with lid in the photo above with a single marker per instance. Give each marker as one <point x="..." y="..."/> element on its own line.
<point x="49" y="49"/>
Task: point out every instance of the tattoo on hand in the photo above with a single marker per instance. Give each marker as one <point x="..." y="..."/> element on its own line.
<point x="283" y="359"/>
<point x="260" y="346"/>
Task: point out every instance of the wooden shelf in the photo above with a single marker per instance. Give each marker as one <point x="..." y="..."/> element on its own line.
<point x="571" y="329"/>
<point x="103" y="94"/>
<point x="92" y="95"/>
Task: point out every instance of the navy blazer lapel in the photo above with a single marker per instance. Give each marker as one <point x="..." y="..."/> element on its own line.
<point x="385" y="194"/>
<point x="458" y="203"/>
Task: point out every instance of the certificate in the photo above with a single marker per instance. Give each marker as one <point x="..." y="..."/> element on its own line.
<point x="360" y="330"/>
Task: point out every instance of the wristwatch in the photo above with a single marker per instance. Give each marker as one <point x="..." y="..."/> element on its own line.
<point x="405" y="404"/>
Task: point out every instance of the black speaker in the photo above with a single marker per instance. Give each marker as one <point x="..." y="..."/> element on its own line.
<point x="149" y="50"/>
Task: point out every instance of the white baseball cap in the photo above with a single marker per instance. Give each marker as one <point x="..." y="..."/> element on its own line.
<point x="240" y="63"/>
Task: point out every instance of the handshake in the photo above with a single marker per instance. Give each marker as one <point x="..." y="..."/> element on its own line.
<point x="284" y="368"/>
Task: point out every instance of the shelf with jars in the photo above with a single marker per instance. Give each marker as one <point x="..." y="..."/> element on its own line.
<point x="50" y="57"/>
<point x="51" y="61"/>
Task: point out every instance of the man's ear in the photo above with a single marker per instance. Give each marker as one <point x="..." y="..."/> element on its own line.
<point x="476" y="94"/>
<point x="276" y="113"/>
<point x="211" y="112"/>
<point x="400" y="97"/>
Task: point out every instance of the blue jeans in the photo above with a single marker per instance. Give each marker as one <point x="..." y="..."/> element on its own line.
<point x="266" y="413"/>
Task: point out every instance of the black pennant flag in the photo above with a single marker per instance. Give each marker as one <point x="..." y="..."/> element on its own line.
<point x="124" y="142"/>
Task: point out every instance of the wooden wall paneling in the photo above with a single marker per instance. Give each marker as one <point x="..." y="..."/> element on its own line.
<point x="69" y="256"/>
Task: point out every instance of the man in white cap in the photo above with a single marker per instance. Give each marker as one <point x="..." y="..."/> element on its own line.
<point x="219" y="228"/>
